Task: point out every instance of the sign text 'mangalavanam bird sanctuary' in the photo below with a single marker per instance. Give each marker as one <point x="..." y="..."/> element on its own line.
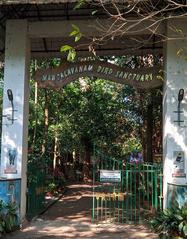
<point x="68" y="72"/>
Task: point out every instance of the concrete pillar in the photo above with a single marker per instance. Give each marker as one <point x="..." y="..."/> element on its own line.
<point x="15" y="111"/>
<point x="175" y="133"/>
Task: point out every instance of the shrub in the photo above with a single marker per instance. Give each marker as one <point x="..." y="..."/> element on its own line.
<point x="52" y="188"/>
<point x="171" y="223"/>
<point x="8" y="217"/>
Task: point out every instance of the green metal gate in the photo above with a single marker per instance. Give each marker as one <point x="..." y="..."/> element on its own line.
<point x="136" y="197"/>
<point x="36" y="189"/>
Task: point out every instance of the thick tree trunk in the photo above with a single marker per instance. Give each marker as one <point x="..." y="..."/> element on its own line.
<point x="87" y="148"/>
<point x="87" y="155"/>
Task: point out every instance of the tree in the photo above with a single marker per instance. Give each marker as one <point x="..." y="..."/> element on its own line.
<point x="135" y="17"/>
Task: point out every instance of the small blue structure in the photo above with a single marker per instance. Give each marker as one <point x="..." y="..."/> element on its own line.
<point x="10" y="192"/>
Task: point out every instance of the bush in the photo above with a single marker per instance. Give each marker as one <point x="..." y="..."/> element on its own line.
<point x="8" y="217"/>
<point x="171" y="223"/>
<point x="52" y="188"/>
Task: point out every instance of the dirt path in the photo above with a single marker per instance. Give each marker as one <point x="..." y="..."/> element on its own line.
<point x="70" y="218"/>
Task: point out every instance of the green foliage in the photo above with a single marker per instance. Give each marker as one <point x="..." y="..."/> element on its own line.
<point x="91" y="110"/>
<point x="79" y="4"/>
<point x="76" y="33"/>
<point x="71" y="51"/>
<point x="71" y="55"/>
<point x="8" y="217"/>
<point x="87" y="111"/>
<point x="52" y="188"/>
<point x="131" y="145"/>
<point x="66" y="48"/>
<point x="172" y="222"/>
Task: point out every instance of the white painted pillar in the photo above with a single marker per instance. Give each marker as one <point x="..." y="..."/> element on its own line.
<point x="15" y="130"/>
<point x="175" y="136"/>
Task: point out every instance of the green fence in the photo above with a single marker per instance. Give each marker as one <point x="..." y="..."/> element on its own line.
<point x="36" y="189"/>
<point x="136" y="197"/>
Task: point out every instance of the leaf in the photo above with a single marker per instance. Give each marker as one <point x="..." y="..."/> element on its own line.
<point x="167" y="212"/>
<point x="163" y="236"/>
<point x="76" y="32"/>
<point x="73" y="33"/>
<point x="79" y="4"/>
<point x="71" y="55"/>
<point x="78" y="37"/>
<point x="179" y="30"/>
<point x="180" y="51"/>
<point x="94" y="12"/>
<point x="1" y="227"/>
<point x="65" y="48"/>
<point x="179" y="217"/>
<point x="181" y="226"/>
<point x="76" y="28"/>
<point x="185" y="230"/>
<point x="184" y="212"/>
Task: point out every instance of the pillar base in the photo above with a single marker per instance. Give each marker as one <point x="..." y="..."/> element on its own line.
<point x="11" y="193"/>
<point x="176" y="193"/>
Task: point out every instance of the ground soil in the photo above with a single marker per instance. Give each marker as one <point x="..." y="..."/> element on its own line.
<point x="70" y="218"/>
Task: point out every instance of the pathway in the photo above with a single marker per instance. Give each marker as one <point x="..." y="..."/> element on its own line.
<point x="70" y="218"/>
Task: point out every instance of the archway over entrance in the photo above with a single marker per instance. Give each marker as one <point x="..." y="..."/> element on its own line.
<point x="140" y="78"/>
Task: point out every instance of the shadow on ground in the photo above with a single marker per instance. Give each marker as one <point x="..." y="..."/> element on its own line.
<point x="70" y="218"/>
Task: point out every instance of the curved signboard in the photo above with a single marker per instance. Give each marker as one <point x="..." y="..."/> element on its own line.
<point x="140" y="78"/>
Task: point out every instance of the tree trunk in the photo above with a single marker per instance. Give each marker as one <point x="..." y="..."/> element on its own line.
<point x="87" y="155"/>
<point x="143" y="140"/>
<point x="46" y="122"/>
<point x="55" y="153"/>
<point x="149" y="133"/>
<point x="143" y="127"/>
<point x="87" y="146"/>
<point x="36" y="113"/>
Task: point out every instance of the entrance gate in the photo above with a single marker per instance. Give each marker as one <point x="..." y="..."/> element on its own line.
<point x="36" y="189"/>
<point x="130" y="200"/>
